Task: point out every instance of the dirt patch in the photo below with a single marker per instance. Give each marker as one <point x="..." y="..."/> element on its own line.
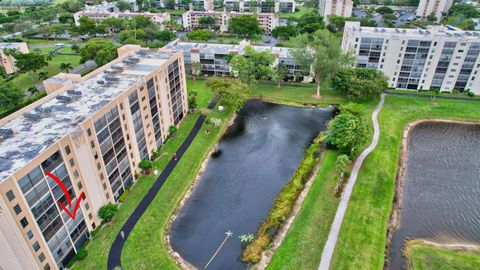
<point x="400" y="179"/>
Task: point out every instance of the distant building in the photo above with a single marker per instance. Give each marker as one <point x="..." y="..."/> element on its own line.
<point x="260" y="6"/>
<point x="7" y="61"/>
<point x="341" y="8"/>
<point x="99" y="13"/>
<point x="91" y="133"/>
<point x="197" y="5"/>
<point x="440" y="57"/>
<point x="213" y="57"/>
<point x="437" y="7"/>
<point x="191" y="19"/>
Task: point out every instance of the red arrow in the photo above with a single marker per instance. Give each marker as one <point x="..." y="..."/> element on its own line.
<point x="67" y="195"/>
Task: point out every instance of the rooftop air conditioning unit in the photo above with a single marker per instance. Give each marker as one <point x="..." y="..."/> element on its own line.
<point x="35" y="117"/>
<point x="63" y="98"/>
<point x="74" y="92"/>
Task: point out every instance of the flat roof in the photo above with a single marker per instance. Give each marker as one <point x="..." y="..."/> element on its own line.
<point x="10" y="45"/>
<point x="439" y="31"/>
<point x="225" y="48"/>
<point x="36" y="130"/>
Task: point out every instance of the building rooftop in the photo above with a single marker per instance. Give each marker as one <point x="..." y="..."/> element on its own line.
<point x="27" y="135"/>
<point x="440" y="31"/>
<point x="10" y="45"/>
<point x="210" y="48"/>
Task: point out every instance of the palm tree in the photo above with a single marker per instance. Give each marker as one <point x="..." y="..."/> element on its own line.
<point x="66" y="66"/>
<point x="43" y="75"/>
<point x="32" y="90"/>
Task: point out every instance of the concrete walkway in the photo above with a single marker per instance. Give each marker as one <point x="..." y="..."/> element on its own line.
<point x="342" y="207"/>
<point x="114" y="256"/>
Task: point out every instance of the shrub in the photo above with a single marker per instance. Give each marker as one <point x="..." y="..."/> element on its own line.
<point x="172" y="130"/>
<point x="146" y="166"/>
<point x="123" y="196"/>
<point x="346" y="132"/>
<point x="470" y="94"/>
<point x="82" y="254"/>
<point x="107" y="212"/>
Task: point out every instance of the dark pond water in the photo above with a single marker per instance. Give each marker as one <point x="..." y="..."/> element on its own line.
<point x="442" y="187"/>
<point x="257" y="156"/>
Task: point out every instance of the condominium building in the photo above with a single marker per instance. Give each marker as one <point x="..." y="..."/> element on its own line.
<point x="107" y="10"/>
<point x="198" y="5"/>
<point x="260" y="6"/>
<point x="335" y="7"/>
<point x="82" y="142"/>
<point x="437" y="7"/>
<point x="444" y="58"/>
<point x="7" y="61"/>
<point x="214" y="57"/>
<point x="191" y="19"/>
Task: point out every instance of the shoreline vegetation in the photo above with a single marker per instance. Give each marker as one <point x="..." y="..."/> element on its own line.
<point x="422" y="255"/>
<point x="284" y="203"/>
<point x="394" y="220"/>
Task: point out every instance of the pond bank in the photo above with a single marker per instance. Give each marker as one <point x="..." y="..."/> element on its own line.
<point x="398" y="200"/>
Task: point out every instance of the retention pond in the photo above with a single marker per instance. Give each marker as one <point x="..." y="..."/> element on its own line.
<point x="255" y="159"/>
<point x="441" y="187"/>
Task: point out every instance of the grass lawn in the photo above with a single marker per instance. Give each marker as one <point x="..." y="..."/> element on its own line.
<point x="361" y="242"/>
<point x="426" y="257"/>
<point x="306" y="237"/>
<point x="431" y="93"/>
<point x="299" y="13"/>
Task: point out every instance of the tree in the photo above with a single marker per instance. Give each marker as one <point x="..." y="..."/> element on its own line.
<point x="432" y="18"/>
<point x="360" y="82"/>
<point x="12" y="12"/>
<point x="107" y="212"/>
<point x="75" y="48"/>
<point x="66" y="18"/>
<point x="125" y="35"/>
<point x="43" y="75"/>
<point x="32" y="90"/>
<point x="196" y="69"/>
<point x="101" y="52"/>
<point x="114" y="25"/>
<point x="389" y="19"/>
<point x="336" y="23"/>
<point x="207" y="22"/>
<point x="279" y="73"/>
<point x="310" y="22"/>
<point x="464" y="10"/>
<point x="87" y="25"/>
<point x="10" y="94"/>
<point x="466" y="24"/>
<point x="66" y="66"/>
<point x="346" y="132"/>
<point x="165" y="36"/>
<point x="72" y="6"/>
<point x="369" y="12"/>
<point x="30" y="63"/>
<point x="123" y="5"/>
<point x="200" y="35"/>
<point x="284" y="32"/>
<point x="192" y="99"/>
<point x="368" y="22"/>
<point x="244" y="25"/>
<point x="146" y="166"/>
<point x="252" y="65"/>
<point x="384" y="10"/>
<point x="232" y="92"/>
<point x="320" y="55"/>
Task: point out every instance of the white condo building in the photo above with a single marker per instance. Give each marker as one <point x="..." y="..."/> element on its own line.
<point x="441" y="57"/>
<point x="260" y="6"/>
<point x="437" y="7"/>
<point x="335" y="7"/>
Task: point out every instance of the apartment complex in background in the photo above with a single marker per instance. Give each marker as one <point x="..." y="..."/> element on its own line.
<point x="335" y="7"/>
<point x="441" y="57"/>
<point x="260" y="6"/>
<point x="91" y="133"/>
<point x="191" y="19"/>
<point x="437" y="7"/>
<point x="214" y="57"/>
<point x="7" y="61"/>
<point x="109" y="10"/>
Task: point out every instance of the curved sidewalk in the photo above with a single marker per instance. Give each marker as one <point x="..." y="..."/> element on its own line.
<point x="342" y="206"/>
<point x="114" y="256"/>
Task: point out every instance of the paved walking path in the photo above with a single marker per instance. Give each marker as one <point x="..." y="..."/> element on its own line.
<point x="342" y="207"/>
<point x="114" y="256"/>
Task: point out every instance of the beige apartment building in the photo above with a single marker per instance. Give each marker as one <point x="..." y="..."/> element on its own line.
<point x="439" y="57"/>
<point x="191" y="19"/>
<point x="335" y="7"/>
<point x="7" y="61"/>
<point x="91" y="133"/>
<point x="437" y="7"/>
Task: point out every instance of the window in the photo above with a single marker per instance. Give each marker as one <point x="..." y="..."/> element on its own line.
<point x="41" y="257"/>
<point x="75" y="174"/>
<point x="90" y="216"/>
<point x="72" y="163"/>
<point x="24" y="222"/>
<point x="101" y="176"/>
<point x="17" y="209"/>
<point x="67" y="150"/>
<point x="87" y="206"/>
<point x="79" y="185"/>
<point x="89" y="132"/>
<point x="46" y="267"/>
<point x="121" y="106"/>
<point x="30" y="234"/>
<point x="104" y="186"/>
<point x="36" y="246"/>
<point x="99" y="166"/>
<point x="10" y="195"/>
<point x="92" y="144"/>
